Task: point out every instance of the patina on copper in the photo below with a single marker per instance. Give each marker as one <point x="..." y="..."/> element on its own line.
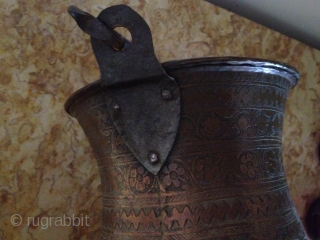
<point x="223" y="178"/>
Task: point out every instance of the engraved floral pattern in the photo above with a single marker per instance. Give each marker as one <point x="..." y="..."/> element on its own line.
<point x="249" y="165"/>
<point x="207" y="169"/>
<point x="211" y="124"/>
<point x="174" y="176"/>
<point x="139" y="179"/>
<point x="245" y="123"/>
<point x="271" y="162"/>
<point x="242" y="125"/>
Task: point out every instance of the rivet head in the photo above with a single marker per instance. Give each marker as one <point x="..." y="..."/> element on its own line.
<point x="166" y="94"/>
<point x="153" y="157"/>
<point x="116" y="107"/>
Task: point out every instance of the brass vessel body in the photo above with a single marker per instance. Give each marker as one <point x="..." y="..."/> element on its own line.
<point x="224" y="177"/>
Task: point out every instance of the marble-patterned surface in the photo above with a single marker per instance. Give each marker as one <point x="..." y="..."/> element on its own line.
<point x="46" y="166"/>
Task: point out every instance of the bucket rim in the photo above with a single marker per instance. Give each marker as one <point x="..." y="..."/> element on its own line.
<point x="234" y="62"/>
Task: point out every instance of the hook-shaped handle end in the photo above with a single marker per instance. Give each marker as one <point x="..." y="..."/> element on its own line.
<point x="95" y="28"/>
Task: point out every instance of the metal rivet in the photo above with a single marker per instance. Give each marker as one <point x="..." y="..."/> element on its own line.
<point x="116" y="107"/>
<point x="166" y="94"/>
<point x="153" y="157"/>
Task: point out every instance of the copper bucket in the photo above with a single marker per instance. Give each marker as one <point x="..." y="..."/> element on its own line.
<point x="223" y="177"/>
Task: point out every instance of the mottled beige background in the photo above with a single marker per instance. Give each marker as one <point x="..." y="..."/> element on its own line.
<point x="46" y="167"/>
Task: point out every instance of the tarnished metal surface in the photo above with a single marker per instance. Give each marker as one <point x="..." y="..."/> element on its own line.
<point x="223" y="178"/>
<point x="147" y="122"/>
<point x="137" y="61"/>
<point x="142" y="101"/>
<point x="95" y="28"/>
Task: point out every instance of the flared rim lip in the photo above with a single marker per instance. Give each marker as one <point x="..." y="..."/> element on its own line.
<point x="93" y="87"/>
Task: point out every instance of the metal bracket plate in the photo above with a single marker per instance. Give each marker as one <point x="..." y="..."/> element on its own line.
<point x="142" y="100"/>
<point x="147" y="117"/>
